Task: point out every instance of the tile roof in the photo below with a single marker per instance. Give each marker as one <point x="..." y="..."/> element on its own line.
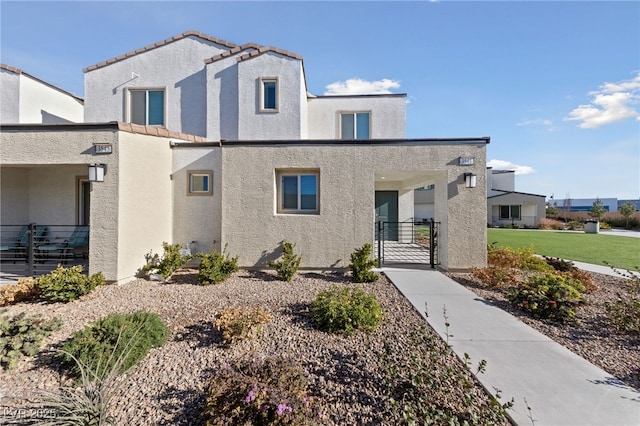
<point x="264" y="49"/>
<point x="157" y="131"/>
<point x="19" y="71"/>
<point x="185" y="34"/>
<point x="234" y="51"/>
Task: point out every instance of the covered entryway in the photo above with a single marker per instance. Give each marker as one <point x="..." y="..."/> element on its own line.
<point x="399" y="237"/>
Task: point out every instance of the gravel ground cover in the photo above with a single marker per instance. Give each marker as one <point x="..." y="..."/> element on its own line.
<point x="591" y="336"/>
<point x="347" y="374"/>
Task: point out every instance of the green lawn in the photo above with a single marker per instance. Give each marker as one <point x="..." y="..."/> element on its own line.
<point x="621" y="252"/>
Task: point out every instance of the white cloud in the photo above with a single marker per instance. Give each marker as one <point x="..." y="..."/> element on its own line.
<point x="357" y="86"/>
<point x="540" y="122"/>
<point x="613" y="102"/>
<point x="508" y="165"/>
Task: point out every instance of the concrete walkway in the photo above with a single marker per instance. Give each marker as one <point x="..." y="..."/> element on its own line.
<point x="560" y="387"/>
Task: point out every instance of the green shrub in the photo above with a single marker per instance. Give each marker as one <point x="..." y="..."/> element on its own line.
<point x="216" y="267"/>
<point x="239" y="323"/>
<point x="23" y="335"/>
<point x="171" y="260"/>
<point x="361" y="264"/>
<point x="288" y="262"/>
<point x="522" y="258"/>
<point x="575" y="225"/>
<point x="496" y="276"/>
<point x="346" y="309"/>
<point x="67" y="284"/>
<point x="24" y="289"/>
<point x="422" y="385"/>
<point x="624" y="312"/>
<point x="96" y="346"/>
<point x="87" y="402"/>
<point x="272" y="391"/>
<point x="548" y="296"/>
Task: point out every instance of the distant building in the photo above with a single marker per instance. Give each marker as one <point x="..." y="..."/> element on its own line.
<point x="585" y="204"/>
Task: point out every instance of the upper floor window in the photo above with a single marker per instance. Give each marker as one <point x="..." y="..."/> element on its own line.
<point x="147" y="106"/>
<point x="354" y="125"/>
<point x="269" y="94"/>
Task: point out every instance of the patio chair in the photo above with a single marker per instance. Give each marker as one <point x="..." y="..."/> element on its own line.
<point x="21" y="242"/>
<point x="79" y="239"/>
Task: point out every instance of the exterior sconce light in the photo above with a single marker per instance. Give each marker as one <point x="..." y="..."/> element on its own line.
<point x="470" y="180"/>
<point x="96" y="172"/>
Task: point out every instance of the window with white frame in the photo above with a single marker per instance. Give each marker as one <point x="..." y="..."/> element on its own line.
<point x="298" y="191"/>
<point x="269" y="94"/>
<point x="199" y="182"/>
<point x="510" y="212"/>
<point x="355" y="125"/>
<point x="147" y="106"/>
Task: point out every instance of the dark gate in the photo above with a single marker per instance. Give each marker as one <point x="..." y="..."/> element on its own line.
<point x="407" y="242"/>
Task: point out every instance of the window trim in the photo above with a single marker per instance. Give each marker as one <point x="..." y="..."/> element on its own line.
<point x="355" y="123"/>
<point x="280" y="174"/>
<point x="209" y="174"/>
<point x="262" y="100"/>
<point x="511" y="206"/>
<point x="129" y="109"/>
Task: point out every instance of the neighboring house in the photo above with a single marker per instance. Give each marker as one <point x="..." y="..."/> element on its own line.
<point x="218" y="145"/>
<point x="27" y="99"/>
<point x="506" y="206"/>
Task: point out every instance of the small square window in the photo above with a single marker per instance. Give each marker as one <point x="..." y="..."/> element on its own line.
<point x="297" y="191"/>
<point x="354" y="125"/>
<point x="269" y="94"/>
<point x="199" y="182"/>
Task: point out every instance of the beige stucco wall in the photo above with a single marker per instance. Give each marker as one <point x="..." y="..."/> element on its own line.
<point x="197" y="218"/>
<point x="533" y="208"/>
<point x="65" y="151"/>
<point x="145" y="200"/>
<point x="253" y="230"/>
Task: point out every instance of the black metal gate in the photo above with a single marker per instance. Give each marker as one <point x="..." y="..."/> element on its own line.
<point x="407" y="242"/>
<point x="33" y="250"/>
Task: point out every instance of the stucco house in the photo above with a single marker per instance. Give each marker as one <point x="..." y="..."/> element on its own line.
<point x="213" y="144"/>
<point x="27" y="99"/>
<point x="506" y="206"/>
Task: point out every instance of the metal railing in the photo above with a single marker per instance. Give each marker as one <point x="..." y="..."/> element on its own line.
<point x="523" y="221"/>
<point x="35" y="249"/>
<point x="407" y="242"/>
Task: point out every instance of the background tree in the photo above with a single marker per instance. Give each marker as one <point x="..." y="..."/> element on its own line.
<point x="597" y="209"/>
<point x="627" y="210"/>
<point x="552" y="209"/>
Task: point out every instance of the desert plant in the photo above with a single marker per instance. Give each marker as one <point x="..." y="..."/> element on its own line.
<point x="287" y="264"/>
<point x="89" y="401"/>
<point x="549" y="296"/>
<point x="422" y="387"/>
<point x="346" y="309"/>
<point x="240" y="323"/>
<point x="23" y="335"/>
<point x="496" y="276"/>
<point x="96" y="346"/>
<point x="624" y="312"/>
<point x="361" y="265"/>
<point x="67" y="284"/>
<point x="269" y="391"/>
<point x="216" y="267"/>
<point x="550" y="223"/>
<point x="24" y="289"/>
<point x="560" y="264"/>
<point x="171" y="260"/>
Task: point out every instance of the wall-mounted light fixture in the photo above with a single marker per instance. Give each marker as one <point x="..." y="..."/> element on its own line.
<point x="96" y="172"/>
<point x="470" y="180"/>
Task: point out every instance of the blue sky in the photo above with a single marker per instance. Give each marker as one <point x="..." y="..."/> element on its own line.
<point x="556" y="85"/>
